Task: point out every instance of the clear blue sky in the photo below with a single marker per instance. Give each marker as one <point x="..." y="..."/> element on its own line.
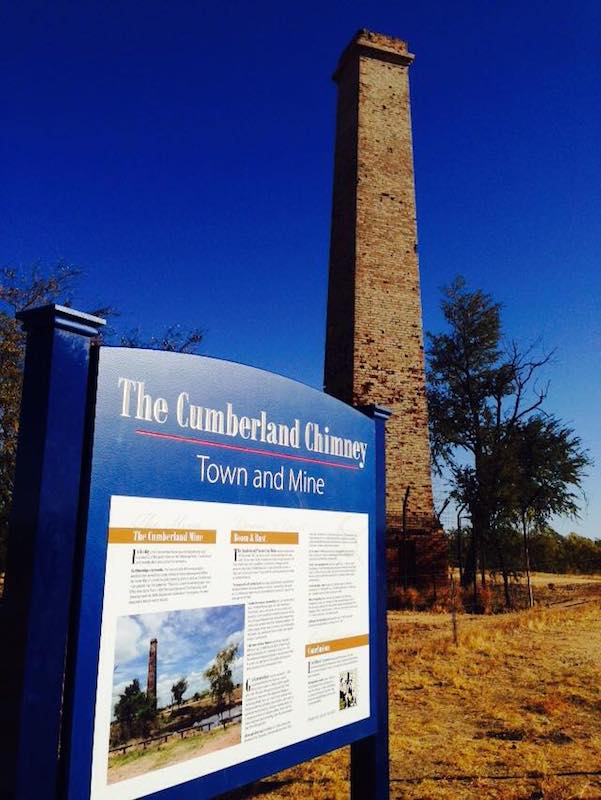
<point x="181" y="153"/>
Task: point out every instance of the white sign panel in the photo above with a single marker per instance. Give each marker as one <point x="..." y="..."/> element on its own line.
<point x="228" y="631"/>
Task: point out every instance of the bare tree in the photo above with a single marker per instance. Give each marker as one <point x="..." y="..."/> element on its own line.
<point x="27" y="288"/>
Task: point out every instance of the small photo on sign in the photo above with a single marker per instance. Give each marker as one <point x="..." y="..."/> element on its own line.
<point x="177" y="688"/>
<point x="348" y="689"/>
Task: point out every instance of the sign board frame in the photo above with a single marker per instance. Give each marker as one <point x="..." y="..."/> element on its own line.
<point x="110" y="439"/>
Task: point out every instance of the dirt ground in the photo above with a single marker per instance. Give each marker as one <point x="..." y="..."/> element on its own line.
<point x="513" y="711"/>
<point x="138" y="762"/>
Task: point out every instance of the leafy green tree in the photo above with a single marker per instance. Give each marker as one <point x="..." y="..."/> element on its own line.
<point x="482" y="397"/>
<point x="547" y="549"/>
<point x="548" y="464"/>
<point x="219" y="675"/>
<point x="178" y="690"/>
<point x="581" y="554"/>
<point x="134" y="712"/>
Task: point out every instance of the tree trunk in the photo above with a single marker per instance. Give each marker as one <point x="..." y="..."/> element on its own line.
<point x="485" y="539"/>
<point x="460" y="552"/>
<point x="469" y="568"/>
<point x="506" y="589"/>
<point x="454" y="608"/>
<point x="505" y="574"/>
<point x="527" y="561"/>
<point x="470" y="574"/>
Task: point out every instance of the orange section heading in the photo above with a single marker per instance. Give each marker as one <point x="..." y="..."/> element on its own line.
<point x="263" y="537"/>
<point x="161" y="536"/>
<point x="321" y="648"/>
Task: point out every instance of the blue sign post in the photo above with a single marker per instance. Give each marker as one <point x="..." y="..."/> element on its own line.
<point x="37" y="597"/>
<point x="230" y="540"/>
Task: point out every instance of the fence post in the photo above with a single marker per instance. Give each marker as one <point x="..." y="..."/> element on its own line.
<point x="369" y="756"/>
<point x="43" y="532"/>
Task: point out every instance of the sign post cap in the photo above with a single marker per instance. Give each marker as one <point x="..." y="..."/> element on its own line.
<point x="63" y="317"/>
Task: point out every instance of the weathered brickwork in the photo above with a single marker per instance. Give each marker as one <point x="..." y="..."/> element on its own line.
<point x="374" y="349"/>
<point x="151" y="682"/>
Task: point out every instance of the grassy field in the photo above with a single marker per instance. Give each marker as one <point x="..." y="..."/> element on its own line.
<point x="513" y="711"/>
<point x="156" y="756"/>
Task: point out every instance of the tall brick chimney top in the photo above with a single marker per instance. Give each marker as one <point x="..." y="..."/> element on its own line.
<point x="374" y="45"/>
<point x="374" y="342"/>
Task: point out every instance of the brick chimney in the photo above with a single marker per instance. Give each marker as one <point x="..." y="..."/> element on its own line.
<point x="374" y="341"/>
<point x="151" y="683"/>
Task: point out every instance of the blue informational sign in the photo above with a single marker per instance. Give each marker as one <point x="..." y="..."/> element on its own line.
<point x="227" y="619"/>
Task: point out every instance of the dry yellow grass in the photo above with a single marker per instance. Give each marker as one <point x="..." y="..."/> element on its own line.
<point x="513" y="711"/>
<point x="540" y="578"/>
<point x="519" y="695"/>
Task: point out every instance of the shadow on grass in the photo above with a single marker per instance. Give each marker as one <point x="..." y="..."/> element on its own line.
<point x="522" y="776"/>
<point x="258" y="788"/>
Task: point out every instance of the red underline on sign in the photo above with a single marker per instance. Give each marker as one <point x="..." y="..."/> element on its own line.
<point x="255" y="451"/>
